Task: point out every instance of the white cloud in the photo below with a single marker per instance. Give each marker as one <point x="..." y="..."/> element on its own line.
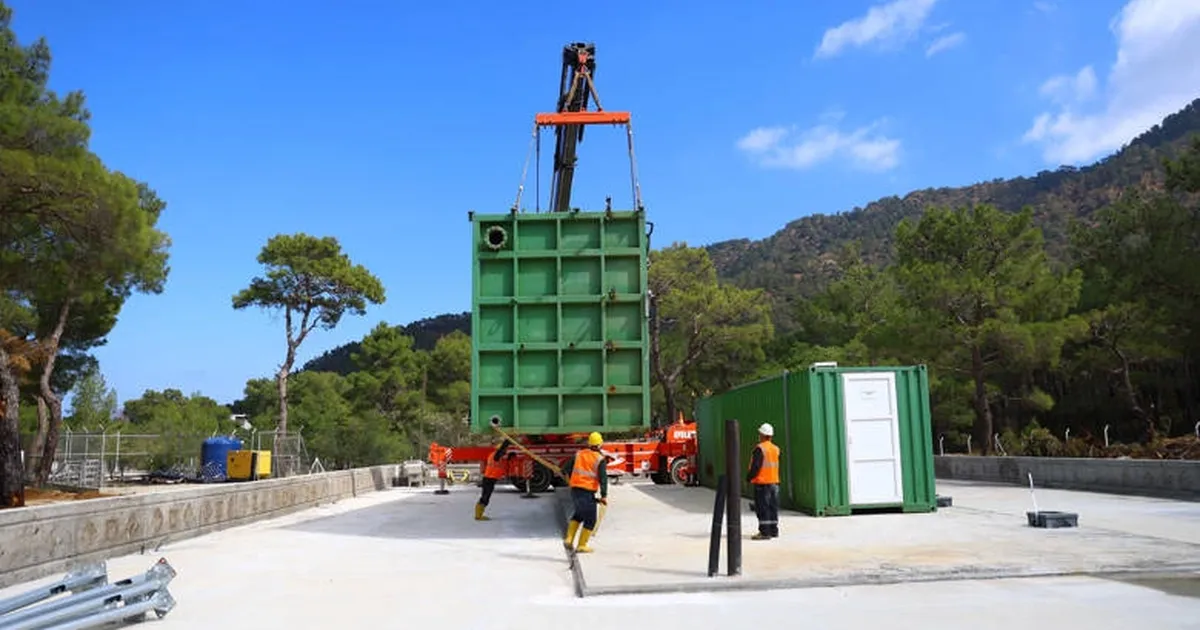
<point x="1067" y="90"/>
<point x="781" y="147"/>
<point x="1045" y="7"/>
<point x="942" y="44"/>
<point x="890" y="23"/>
<point x="1155" y="74"/>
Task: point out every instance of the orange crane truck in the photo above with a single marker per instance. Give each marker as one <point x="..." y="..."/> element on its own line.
<point x="666" y="456"/>
<point x="559" y="321"/>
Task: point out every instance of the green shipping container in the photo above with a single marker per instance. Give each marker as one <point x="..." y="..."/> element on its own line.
<point x="560" y="340"/>
<point x="851" y="438"/>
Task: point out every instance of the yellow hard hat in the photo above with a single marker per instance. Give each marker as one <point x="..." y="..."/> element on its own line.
<point x="595" y="439"/>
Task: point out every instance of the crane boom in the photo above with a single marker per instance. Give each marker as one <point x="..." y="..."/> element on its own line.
<point x="576" y="91"/>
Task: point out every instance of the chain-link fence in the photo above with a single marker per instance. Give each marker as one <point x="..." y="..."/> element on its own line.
<point x="95" y="459"/>
<point x="288" y="454"/>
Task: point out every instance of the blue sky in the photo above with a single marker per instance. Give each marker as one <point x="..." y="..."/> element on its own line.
<point x="383" y="123"/>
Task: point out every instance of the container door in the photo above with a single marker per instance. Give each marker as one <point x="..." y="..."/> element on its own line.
<point x="872" y="438"/>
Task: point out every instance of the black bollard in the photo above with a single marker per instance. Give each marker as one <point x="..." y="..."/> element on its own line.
<point x="733" y="505"/>
<point x="714" y="540"/>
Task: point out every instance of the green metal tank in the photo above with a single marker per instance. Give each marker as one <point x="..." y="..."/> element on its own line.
<point x="559" y="331"/>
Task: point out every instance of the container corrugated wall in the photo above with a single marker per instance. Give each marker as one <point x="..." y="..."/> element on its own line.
<point x="710" y="437"/>
<point x="916" y="439"/>
<point x="818" y="438"/>
<point x="810" y="428"/>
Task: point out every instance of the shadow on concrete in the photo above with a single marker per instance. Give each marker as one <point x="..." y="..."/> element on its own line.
<point x="1179" y="585"/>
<point x="428" y="516"/>
<point x="378" y="478"/>
<point x="687" y="499"/>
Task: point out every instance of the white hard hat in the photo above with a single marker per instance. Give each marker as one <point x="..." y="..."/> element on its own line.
<point x="766" y="429"/>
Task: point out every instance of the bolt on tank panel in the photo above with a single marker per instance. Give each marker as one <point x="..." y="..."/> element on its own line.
<point x="560" y="340"/>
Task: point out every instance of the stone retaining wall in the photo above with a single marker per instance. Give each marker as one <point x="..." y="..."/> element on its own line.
<point x="1174" y="479"/>
<point x="43" y="540"/>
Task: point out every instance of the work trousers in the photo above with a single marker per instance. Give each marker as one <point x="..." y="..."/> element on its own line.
<point x="766" y="508"/>
<point x="488" y="486"/>
<point x="585" y="507"/>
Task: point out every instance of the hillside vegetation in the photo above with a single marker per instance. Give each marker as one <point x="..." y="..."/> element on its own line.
<point x="801" y="259"/>
<point x="1047" y="305"/>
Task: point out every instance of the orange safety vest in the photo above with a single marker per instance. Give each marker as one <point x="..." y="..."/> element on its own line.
<point x="585" y="473"/>
<point x="769" y="472"/>
<point x="437" y="455"/>
<point x="495" y="469"/>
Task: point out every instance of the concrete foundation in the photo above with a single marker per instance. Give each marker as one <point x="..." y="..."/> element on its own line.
<point x="1176" y="479"/>
<point x="407" y="557"/>
<point x="48" y="539"/>
<point x="654" y="539"/>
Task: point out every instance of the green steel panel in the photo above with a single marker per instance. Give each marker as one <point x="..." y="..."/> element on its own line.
<point x="811" y="432"/>
<point x="916" y="439"/>
<point x="818" y="437"/>
<point x="560" y="340"/>
<point x="709" y="439"/>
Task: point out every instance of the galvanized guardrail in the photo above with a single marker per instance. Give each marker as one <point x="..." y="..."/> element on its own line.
<point x="92" y="601"/>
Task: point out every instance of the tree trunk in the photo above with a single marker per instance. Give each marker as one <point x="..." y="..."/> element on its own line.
<point x="669" y="398"/>
<point x="33" y="459"/>
<point x="983" y="412"/>
<point x="1149" y="431"/>
<point x="281" y="379"/>
<point x="46" y="392"/>
<point x="12" y="473"/>
<point x="656" y="358"/>
<point x="1189" y="395"/>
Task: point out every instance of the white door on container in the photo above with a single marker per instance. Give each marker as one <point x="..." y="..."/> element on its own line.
<point x="872" y="438"/>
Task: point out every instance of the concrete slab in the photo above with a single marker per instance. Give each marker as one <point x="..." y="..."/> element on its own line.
<point x="655" y="539"/>
<point x="377" y="561"/>
<point x="405" y="557"/>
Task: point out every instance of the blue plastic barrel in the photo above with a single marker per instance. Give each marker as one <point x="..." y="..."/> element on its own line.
<point x="214" y="455"/>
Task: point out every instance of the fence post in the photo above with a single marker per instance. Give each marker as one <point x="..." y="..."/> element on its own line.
<point x="733" y="502"/>
<point x="714" y="540"/>
<point x="103" y="449"/>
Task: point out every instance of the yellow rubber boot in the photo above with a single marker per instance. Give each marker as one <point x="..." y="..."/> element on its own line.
<point x="569" y="538"/>
<point x="583" y="541"/>
<point x="479" y="508"/>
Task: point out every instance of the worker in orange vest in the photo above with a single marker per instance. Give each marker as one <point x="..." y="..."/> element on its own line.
<point x="764" y="476"/>
<point x="494" y="469"/>
<point x="586" y="474"/>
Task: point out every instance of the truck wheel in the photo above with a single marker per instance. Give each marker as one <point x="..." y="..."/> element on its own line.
<point x="662" y="474"/>
<point x="541" y="478"/>
<point x="679" y="471"/>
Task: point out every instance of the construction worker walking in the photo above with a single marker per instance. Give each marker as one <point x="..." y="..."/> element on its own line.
<point x="494" y="470"/>
<point x="764" y="476"/>
<point x="586" y="474"/>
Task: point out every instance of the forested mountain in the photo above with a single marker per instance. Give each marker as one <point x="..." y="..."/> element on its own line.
<point x="1031" y="327"/>
<point x="799" y="260"/>
<point x="425" y="333"/>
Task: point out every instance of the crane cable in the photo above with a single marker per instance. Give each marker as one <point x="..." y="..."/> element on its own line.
<point x="535" y="151"/>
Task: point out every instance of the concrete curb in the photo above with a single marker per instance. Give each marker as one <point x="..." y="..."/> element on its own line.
<point x="562" y="499"/>
<point x="1167" y="479"/>
<point x="735" y="584"/>
<point x="43" y="540"/>
<point x="878" y="579"/>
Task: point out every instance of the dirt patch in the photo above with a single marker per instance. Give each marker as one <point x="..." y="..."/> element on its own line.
<point x="42" y="496"/>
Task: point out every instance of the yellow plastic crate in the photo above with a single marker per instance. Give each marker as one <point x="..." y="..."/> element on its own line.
<point x="241" y="465"/>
